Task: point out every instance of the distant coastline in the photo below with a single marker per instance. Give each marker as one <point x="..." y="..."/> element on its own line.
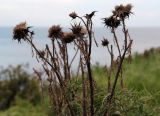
<point x="14" y="53"/>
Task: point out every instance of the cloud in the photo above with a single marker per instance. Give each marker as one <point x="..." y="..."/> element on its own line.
<point x="47" y="12"/>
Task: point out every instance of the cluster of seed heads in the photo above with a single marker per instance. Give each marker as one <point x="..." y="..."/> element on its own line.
<point x="21" y="31"/>
<point x="120" y="13"/>
<point x="77" y="33"/>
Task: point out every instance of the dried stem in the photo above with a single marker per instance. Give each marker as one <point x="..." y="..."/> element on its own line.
<point x="116" y="78"/>
<point x="88" y="63"/>
<point x="111" y="67"/>
<point x="116" y="40"/>
<point x="84" y="89"/>
<point x="59" y="78"/>
<point x="57" y="68"/>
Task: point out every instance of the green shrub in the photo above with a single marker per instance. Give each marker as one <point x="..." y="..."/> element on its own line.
<point x="16" y="81"/>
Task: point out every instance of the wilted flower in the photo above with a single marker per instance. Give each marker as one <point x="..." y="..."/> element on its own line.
<point x="68" y="37"/>
<point x="89" y="16"/>
<point x="112" y="22"/>
<point x="21" y="31"/>
<point x="73" y="15"/>
<point x="55" y="32"/>
<point x="78" y="30"/>
<point x="128" y="8"/>
<point x="105" y="42"/>
<point x="122" y="11"/>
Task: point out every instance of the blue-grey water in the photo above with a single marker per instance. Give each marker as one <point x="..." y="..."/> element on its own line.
<point x="13" y="53"/>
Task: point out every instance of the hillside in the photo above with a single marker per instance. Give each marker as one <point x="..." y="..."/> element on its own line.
<point x="140" y="95"/>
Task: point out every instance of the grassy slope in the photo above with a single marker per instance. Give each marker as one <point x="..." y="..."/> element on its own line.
<point x="23" y="107"/>
<point x="144" y="73"/>
<point x="141" y="98"/>
<point x="142" y="83"/>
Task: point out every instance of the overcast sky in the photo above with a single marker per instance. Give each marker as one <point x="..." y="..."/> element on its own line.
<point x="49" y="12"/>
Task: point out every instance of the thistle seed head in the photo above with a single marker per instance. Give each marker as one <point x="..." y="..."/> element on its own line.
<point x="89" y="16"/>
<point x="73" y="15"/>
<point x="21" y="31"/>
<point x="55" y="32"/>
<point x="112" y="22"/>
<point x="105" y="42"/>
<point x="68" y="37"/>
<point x="122" y="11"/>
<point x="78" y="30"/>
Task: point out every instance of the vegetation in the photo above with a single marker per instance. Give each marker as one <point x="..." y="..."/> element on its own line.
<point x="20" y="93"/>
<point x="77" y="95"/>
<point x="140" y="95"/>
<point x="15" y="81"/>
<point x="25" y="108"/>
<point x="94" y="90"/>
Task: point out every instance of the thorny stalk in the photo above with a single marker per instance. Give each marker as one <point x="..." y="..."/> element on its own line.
<point x="119" y="15"/>
<point x="111" y="67"/>
<point x="57" y="64"/>
<point x="59" y="78"/>
<point x="84" y="88"/>
<point x="119" y="57"/>
<point x="88" y="50"/>
<point x="117" y="43"/>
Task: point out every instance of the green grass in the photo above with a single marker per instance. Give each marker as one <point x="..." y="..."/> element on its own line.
<point x="144" y="73"/>
<point x="23" y="107"/>
<point x="141" y="96"/>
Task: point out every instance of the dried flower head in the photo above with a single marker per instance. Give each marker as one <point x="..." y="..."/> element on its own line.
<point x="73" y="15"/>
<point x="21" y="31"/>
<point x="78" y="30"/>
<point x="122" y="11"/>
<point x="55" y="32"/>
<point x="111" y="22"/>
<point x="128" y="8"/>
<point x="105" y="42"/>
<point x="68" y="37"/>
<point x="89" y="16"/>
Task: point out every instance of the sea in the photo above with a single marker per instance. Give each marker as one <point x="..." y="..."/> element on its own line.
<point x="14" y="53"/>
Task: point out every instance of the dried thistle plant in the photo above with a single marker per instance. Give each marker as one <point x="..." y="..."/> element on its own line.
<point x="57" y="66"/>
<point x="114" y="21"/>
